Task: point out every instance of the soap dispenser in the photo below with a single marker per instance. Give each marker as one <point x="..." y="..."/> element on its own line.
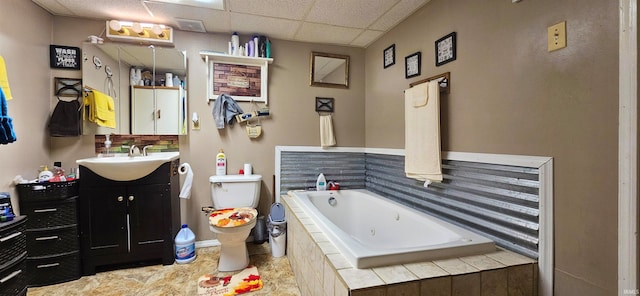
<point x="321" y="183"/>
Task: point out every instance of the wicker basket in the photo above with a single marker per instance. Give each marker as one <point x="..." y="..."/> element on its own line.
<point x="47" y="191"/>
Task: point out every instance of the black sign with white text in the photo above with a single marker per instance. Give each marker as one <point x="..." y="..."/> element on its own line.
<point x="64" y="57"/>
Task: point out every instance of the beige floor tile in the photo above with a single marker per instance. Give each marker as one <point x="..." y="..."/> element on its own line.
<point x="177" y="279"/>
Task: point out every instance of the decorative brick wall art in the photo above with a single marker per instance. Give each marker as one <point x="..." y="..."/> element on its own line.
<point x="237" y="80"/>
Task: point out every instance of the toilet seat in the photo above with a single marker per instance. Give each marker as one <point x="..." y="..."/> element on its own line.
<point x="232" y="217"/>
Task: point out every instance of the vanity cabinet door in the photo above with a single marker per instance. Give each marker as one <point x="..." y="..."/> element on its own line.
<point x="107" y="233"/>
<point x="149" y="221"/>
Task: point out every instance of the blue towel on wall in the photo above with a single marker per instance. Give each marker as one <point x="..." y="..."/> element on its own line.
<point x="7" y="134"/>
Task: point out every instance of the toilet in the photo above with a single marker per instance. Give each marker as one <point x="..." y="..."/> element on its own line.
<point x="235" y="198"/>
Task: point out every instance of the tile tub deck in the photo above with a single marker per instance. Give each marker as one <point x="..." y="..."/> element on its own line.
<point x="321" y="270"/>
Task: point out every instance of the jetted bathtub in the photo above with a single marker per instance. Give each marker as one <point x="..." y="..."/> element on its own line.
<point x="371" y="231"/>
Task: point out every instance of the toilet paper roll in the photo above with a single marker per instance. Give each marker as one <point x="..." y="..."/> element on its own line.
<point x="247" y="169"/>
<point x="185" y="168"/>
<point x="168" y="80"/>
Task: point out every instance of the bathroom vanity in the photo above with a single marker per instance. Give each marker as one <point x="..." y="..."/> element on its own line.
<point x="132" y="221"/>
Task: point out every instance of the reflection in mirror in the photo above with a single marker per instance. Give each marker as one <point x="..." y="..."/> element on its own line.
<point x="122" y="58"/>
<point x="329" y="70"/>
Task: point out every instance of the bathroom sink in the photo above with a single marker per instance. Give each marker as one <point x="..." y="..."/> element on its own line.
<point x="121" y="167"/>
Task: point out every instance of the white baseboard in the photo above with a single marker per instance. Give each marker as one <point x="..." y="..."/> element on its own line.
<point x="207" y="243"/>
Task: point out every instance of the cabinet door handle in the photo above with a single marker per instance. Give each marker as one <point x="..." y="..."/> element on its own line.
<point x="120" y="198"/>
<point x="131" y="197"/>
<point x="48" y="265"/>
<point x="10" y="276"/>
<point x="158" y="113"/>
<point x="45" y="210"/>
<point x="47" y="238"/>
<point x="6" y="238"/>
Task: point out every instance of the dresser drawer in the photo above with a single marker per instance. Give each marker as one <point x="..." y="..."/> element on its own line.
<point x="50" y="214"/>
<point x="47" y="191"/>
<point x="13" y="278"/>
<point x="52" y="241"/>
<point x="13" y="242"/>
<point x="51" y="270"/>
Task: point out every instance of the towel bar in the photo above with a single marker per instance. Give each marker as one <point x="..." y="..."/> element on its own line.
<point x="445" y="78"/>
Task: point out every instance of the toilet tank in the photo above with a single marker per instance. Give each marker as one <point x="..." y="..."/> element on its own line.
<point x="233" y="191"/>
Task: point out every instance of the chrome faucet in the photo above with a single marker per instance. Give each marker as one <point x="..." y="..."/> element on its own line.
<point x="133" y="150"/>
<point x="144" y="149"/>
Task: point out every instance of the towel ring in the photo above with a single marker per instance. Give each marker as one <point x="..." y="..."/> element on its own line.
<point x="68" y="87"/>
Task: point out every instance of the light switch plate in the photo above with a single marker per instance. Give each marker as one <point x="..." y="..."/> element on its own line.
<point x="557" y="36"/>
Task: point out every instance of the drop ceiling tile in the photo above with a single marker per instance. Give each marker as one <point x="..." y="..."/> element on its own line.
<point x="115" y="9"/>
<point x="268" y="26"/>
<point x="348" y="13"/>
<point x="53" y="7"/>
<point x="288" y="9"/>
<point x="396" y="14"/>
<point x="214" y="20"/>
<point x="320" y="33"/>
<point x="366" y="38"/>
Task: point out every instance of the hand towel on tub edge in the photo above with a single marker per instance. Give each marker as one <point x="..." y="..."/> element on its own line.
<point x="422" y="132"/>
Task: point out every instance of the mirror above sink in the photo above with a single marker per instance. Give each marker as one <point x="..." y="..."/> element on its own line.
<point x="159" y="106"/>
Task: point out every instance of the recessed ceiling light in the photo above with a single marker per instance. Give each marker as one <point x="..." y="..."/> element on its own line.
<point x="211" y="4"/>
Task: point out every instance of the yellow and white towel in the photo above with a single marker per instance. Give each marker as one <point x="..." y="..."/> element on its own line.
<point x="422" y="132"/>
<point x="101" y="109"/>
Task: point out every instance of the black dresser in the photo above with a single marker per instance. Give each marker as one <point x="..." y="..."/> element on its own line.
<point x="53" y="248"/>
<point x="13" y="254"/>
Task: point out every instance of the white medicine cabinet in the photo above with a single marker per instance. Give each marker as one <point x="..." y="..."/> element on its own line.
<point x="154" y="109"/>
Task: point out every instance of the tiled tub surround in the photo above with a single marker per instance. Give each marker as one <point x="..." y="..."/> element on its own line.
<point x="320" y="269"/>
<point x="507" y="198"/>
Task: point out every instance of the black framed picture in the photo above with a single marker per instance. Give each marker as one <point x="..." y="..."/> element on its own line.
<point x="412" y="65"/>
<point x="389" y="56"/>
<point x="64" y="57"/>
<point x="446" y="49"/>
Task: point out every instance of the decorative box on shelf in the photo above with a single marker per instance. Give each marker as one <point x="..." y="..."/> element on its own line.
<point x="243" y="78"/>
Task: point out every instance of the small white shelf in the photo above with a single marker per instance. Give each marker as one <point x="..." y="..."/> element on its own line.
<point x="240" y="60"/>
<point x="211" y="57"/>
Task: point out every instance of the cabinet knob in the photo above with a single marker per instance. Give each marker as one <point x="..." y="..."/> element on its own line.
<point x="131" y="197"/>
<point x="120" y="198"/>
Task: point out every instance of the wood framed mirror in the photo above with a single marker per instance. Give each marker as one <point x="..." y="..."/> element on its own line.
<point x="329" y="70"/>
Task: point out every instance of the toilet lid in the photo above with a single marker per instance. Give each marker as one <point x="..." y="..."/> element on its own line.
<point x="232" y="217"/>
<point x="277" y="212"/>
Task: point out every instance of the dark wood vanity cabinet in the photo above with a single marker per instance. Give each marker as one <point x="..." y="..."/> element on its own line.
<point x="129" y="221"/>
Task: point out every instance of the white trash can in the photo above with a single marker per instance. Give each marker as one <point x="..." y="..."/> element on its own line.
<point x="277" y="230"/>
